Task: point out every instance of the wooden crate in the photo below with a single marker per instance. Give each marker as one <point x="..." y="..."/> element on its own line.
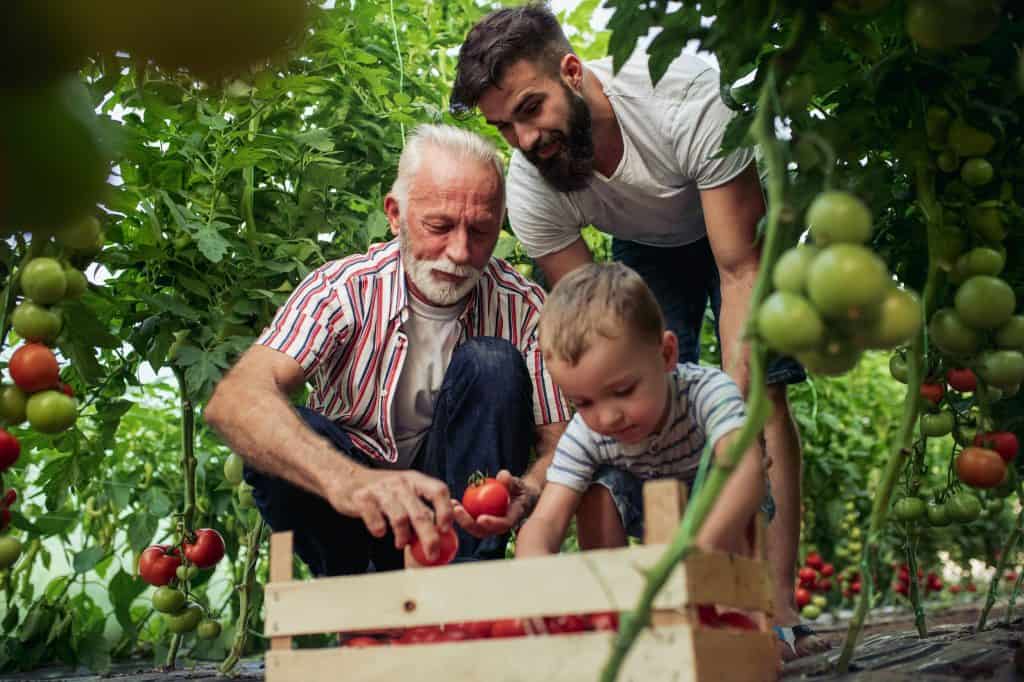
<point x="676" y="647"/>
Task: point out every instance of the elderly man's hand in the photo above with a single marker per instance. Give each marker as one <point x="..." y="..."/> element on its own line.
<point x="399" y="499"/>
<point x="523" y="496"/>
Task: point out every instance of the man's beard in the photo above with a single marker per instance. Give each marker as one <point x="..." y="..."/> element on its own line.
<point x="570" y="168"/>
<point x="418" y="271"/>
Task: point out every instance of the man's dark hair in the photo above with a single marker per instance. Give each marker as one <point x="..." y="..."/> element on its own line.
<point x="501" y="39"/>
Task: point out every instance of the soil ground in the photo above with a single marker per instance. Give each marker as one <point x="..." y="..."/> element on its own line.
<point x="890" y="651"/>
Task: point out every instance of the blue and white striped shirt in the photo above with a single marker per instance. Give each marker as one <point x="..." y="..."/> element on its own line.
<point x="705" y="405"/>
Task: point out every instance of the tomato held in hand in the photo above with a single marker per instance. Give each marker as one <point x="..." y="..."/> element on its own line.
<point x="980" y="467"/>
<point x="10" y="449"/>
<point x="1003" y="442"/>
<point x="158" y="564"/>
<point x="486" y="496"/>
<point x="449" y="547"/>
<point x="207" y="550"/>
<point x="34" y="368"/>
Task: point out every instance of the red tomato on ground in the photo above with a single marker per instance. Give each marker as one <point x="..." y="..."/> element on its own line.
<point x="207" y="550"/>
<point x="962" y="379"/>
<point x="933" y="393"/>
<point x="486" y="496"/>
<point x="508" y="627"/>
<point x="1003" y="442"/>
<point x="34" y="368"/>
<point x="158" y="564"/>
<point x="449" y="547"/>
<point x="10" y="449"/>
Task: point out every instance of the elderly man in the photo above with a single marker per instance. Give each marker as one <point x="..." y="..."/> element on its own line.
<point x="640" y="162"/>
<point x="424" y="367"/>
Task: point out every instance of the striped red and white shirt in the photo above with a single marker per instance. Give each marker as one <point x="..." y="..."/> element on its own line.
<point x="343" y="325"/>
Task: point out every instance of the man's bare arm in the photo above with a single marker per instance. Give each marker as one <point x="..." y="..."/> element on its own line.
<point x="560" y="263"/>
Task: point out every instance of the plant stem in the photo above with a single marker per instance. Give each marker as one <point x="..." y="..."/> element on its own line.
<point x="911" y="406"/>
<point x="253" y="543"/>
<point x="993" y="587"/>
<point x="758" y="407"/>
<point x="188" y="466"/>
<point x="1013" y="597"/>
<point x="915" y="591"/>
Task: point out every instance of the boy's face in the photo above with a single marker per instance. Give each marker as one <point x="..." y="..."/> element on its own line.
<point x="619" y="386"/>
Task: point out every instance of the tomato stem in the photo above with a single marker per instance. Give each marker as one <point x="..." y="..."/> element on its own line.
<point x="915" y="592"/>
<point x="253" y="543"/>
<point x="993" y="587"/>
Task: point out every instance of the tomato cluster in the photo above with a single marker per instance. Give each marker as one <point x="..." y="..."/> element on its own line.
<point x="928" y="584"/>
<point x="162" y="567"/>
<point x="814" y="576"/>
<point x="834" y="297"/>
<point x="10" y="547"/>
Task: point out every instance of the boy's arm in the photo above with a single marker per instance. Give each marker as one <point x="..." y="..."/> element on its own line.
<point x="545" y="529"/>
<point x="725" y="527"/>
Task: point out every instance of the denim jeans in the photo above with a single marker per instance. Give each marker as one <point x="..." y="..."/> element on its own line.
<point x="684" y="279"/>
<point x="483" y="421"/>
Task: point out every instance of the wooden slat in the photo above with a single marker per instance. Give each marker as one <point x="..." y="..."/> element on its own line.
<point x="664" y="503"/>
<point x="726" y="655"/>
<point x="729" y="580"/>
<point x="601" y="580"/>
<point x="657" y="655"/>
<point x="281" y="573"/>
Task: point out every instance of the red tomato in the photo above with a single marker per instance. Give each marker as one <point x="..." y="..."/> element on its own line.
<point x="803" y="597"/>
<point x="807" y="575"/>
<point x="962" y="379"/>
<point x="902" y="588"/>
<point x="158" y="564"/>
<point x="475" y="629"/>
<point x="1010" y="576"/>
<point x="955" y="589"/>
<point x="604" y="621"/>
<point x="904" y="574"/>
<point x="855" y="587"/>
<point x="828" y="570"/>
<point x="10" y="449"/>
<point x="426" y="634"/>
<point x="486" y="496"/>
<point x="449" y="547"/>
<point x="971" y="587"/>
<point x="10" y="497"/>
<point x="34" y="368"/>
<point x="824" y="584"/>
<point x="66" y="390"/>
<point x="207" y="550"/>
<point x="933" y="393"/>
<point x="363" y="641"/>
<point x="735" y="619"/>
<point x="980" y="467"/>
<point x="508" y="627"/>
<point x="815" y="561"/>
<point x="5" y="519"/>
<point x="1003" y="442"/>
<point x="558" y="625"/>
<point x="707" y="614"/>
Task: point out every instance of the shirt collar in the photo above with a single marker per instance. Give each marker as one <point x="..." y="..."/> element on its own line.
<point x="398" y="303"/>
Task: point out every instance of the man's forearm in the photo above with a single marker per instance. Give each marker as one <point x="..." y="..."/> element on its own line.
<point x="736" y="293"/>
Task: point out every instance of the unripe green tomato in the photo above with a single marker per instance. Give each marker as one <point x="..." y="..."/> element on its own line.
<point x="43" y="281"/>
<point x="810" y="612"/>
<point x="10" y="550"/>
<point x="977" y="172"/>
<point x="186" y="573"/>
<point x="909" y="509"/>
<point x="185" y="620"/>
<point x="245" y="498"/>
<point x="898" y="367"/>
<point x="12" y="404"/>
<point x="937" y="514"/>
<point x="208" y="629"/>
<point x="937" y="425"/>
<point x="77" y="282"/>
<point x="233" y="468"/>
<point x="36" y="323"/>
<point x="168" y="600"/>
<point x="51" y="411"/>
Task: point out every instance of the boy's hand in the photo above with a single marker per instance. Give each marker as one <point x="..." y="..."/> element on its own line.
<point x="522" y="498"/>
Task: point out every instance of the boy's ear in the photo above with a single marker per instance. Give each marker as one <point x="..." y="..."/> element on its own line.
<point x="669" y="350"/>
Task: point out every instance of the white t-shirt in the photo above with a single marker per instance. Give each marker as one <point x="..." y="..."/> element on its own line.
<point x="432" y="333"/>
<point x="670" y="133"/>
<point x="704" y="405"/>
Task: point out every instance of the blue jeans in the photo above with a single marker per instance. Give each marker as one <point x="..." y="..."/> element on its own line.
<point x="483" y="421"/>
<point x="684" y="279"/>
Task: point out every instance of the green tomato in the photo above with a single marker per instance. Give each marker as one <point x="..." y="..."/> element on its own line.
<point x="898" y="367"/>
<point x="186" y="573"/>
<point x="964" y="508"/>
<point x="185" y="620"/>
<point x="1002" y="368"/>
<point x="43" y="281"/>
<point x="12" y="404"/>
<point x="810" y="612"/>
<point x="819" y="600"/>
<point x="1011" y="335"/>
<point x="936" y="124"/>
<point x="949" y="244"/>
<point x="51" y="411"/>
<point x="790" y="272"/>
<point x="80" y="234"/>
<point x="77" y="283"/>
<point x="948" y="331"/>
<point x="936" y="425"/>
<point x="899" y="319"/>
<point x="947" y="161"/>
<point x="245" y="498"/>
<point x="10" y="550"/>
<point x="789" y="323"/>
<point x="937" y="514"/>
<point x="208" y="629"/>
<point x="168" y="600"/>
<point x="839" y="217"/>
<point x="846" y="279"/>
<point x="966" y="140"/>
<point x="836" y="356"/>
<point x="985" y="302"/>
<point x="986" y="219"/>
<point x="977" y="172"/>
<point x="233" y="467"/>
<point x="36" y="323"/>
<point x="909" y="509"/>
<point x="981" y="261"/>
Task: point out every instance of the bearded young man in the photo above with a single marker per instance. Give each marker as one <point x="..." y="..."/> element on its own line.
<point x="640" y="162"/>
<point x="424" y="368"/>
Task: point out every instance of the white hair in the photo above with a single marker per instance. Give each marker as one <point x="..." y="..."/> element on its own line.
<point x="458" y="144"/>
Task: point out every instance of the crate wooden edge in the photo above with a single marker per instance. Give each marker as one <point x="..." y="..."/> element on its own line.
<point x="585" y="582"/>
<point x="679" y="652"/>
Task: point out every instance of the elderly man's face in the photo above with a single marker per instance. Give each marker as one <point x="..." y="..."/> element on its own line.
<point x="449" y="227"/>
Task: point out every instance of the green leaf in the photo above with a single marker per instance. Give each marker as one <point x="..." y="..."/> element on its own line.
<point x="87" y="559"/>
<point x="164" y="303"/>
<point x="211" y="243"/>
<point x="123" y="590"/>
<point x="141" y="530"/>
<point x="318" y="138"/>
<point x="156" y="501"/>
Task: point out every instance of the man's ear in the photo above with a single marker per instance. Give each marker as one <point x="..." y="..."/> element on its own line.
<point x="393" y="212"/>
<point x="669" y="350"/>
<point x="571" y="71"/>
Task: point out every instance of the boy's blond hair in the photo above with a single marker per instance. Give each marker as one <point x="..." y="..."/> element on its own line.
<point x="608" y="299"/>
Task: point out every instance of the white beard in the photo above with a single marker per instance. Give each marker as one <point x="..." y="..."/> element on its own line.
<point x="437" y="292"/>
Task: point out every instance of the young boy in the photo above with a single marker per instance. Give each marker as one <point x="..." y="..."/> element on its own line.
<point x="639" y="415"/>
